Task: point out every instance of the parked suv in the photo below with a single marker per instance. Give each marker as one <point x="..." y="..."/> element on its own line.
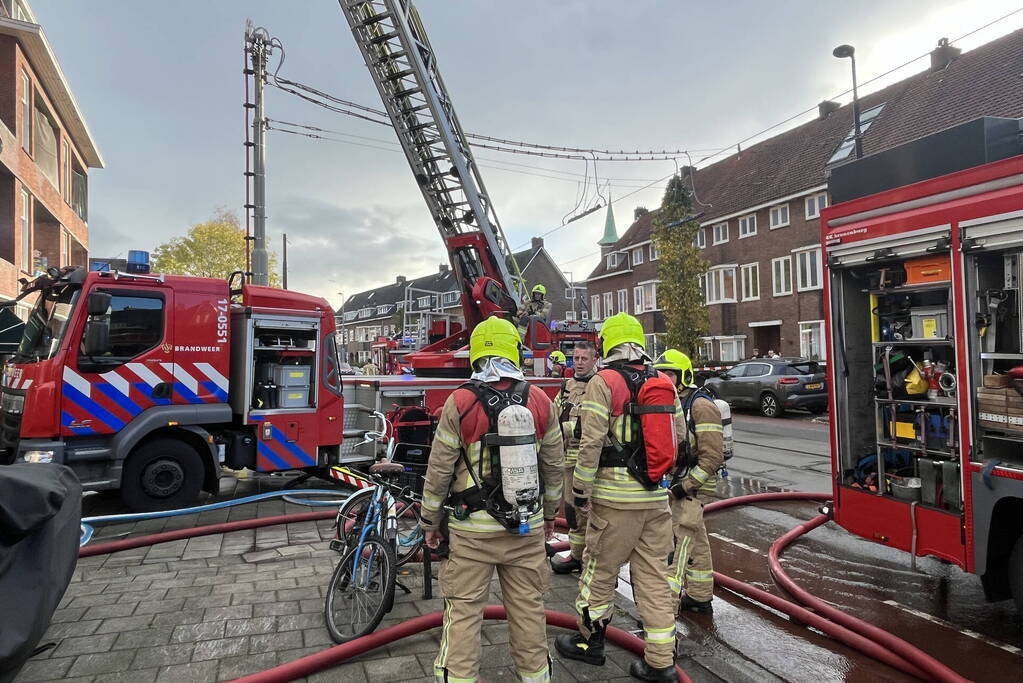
<point x="773" y="385"/>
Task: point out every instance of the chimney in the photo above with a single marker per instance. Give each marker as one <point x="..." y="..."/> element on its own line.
<point x="537" y="243"/>
<point x="943" y="55"/>
<point x="826" y="108"/>
<point x="401" y="280"/>
<point x="443" y="267"/>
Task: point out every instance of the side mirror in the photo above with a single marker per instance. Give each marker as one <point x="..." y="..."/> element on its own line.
<point x="99" y="303"/>
<point x="96" y="340"/>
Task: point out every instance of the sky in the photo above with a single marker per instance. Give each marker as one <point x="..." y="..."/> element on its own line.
<point x="161" y="88"/>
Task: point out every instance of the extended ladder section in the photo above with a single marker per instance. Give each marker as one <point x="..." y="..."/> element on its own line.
<point x="397" y="51"/>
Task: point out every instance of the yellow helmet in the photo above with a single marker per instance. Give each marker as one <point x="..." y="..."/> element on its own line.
<point x="495" y="337"/>
<point x="558" y="357"/>
<point x="676" y="361"/>
<point x="621" y="328"/>
<point x="539" y="288"/>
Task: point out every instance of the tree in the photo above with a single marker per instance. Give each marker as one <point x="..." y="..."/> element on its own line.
<point x="639" y="211"/>
<point x="679" y="269"/>
<point x="214" y="249"/>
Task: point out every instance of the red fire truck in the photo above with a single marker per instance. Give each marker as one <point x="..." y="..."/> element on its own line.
<point x="149" y="383"/>
<point x="922" y="252"/>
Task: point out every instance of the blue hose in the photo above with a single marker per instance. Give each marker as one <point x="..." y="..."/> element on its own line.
<point x="296" y="497"/>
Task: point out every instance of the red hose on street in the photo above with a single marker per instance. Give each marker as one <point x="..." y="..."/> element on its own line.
<point x="310" y="664"/>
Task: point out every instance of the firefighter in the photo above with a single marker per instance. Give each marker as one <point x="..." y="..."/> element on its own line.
<point x="371" y="368"/>
<point x="628" y="522"/>
<point x="464" y="462"/>
<point x="537" y="304"/>
<point x="703" y="447"/>
<point x="558" y="364"/>
<point x="584" y="362"/>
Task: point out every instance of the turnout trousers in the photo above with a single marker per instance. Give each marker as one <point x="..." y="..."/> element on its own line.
<point x="692" y="569"/>
<point x="575" y="517"/>
<point x="521" y="565"/>
<point x="641" y="537"/>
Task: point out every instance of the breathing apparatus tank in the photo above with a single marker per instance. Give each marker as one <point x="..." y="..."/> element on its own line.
<point x="726" y="425"/>
<point x="520" y="475"/>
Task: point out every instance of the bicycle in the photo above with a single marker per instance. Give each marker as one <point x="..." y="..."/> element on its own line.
<point x="378" y="529"/>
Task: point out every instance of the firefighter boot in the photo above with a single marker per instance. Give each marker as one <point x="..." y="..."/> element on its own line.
<point x="589" y="650"/>
<point x="565" y="565"/>
<point x="644" y="672"/>
<point x="690" y="605"/>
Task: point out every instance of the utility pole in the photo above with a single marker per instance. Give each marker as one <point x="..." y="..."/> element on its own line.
<point x="284" y="274"/>
<point x="258" y="45"/>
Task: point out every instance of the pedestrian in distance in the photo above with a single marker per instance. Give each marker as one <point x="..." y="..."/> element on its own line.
<point x="496" y="459"/>
<point x="569" y="406"/>
<point x="627" y="501"/>
<point x="701" y="454"/>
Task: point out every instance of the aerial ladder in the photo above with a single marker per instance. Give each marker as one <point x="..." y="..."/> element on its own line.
<point x="397" y="52"/>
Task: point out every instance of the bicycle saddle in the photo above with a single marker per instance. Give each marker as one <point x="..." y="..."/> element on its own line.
<point x="385" y="468"/>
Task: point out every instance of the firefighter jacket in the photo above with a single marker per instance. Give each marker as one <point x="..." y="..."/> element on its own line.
<point x="541" y="309"/>
<point x="707" y="441"/>
<point x="569" y="406"/>
<point x="610" y="486"/>
<point x="463" y="422"/>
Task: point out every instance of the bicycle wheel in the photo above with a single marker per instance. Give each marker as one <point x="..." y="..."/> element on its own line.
<point x="410" y="531"/>
<point x="350" y="518"/>
<point x="361" y="590"/>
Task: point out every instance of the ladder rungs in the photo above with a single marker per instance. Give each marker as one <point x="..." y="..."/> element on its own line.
<point x="390" y="57"/>
<point x="401" y="74"/>
<point x="383" y="38"/>
<point x="376" y="18"/>
<point x="407" y="91"/>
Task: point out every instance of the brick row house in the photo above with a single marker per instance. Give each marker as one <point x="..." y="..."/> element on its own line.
<point x="760" y="229"/>
<point x="46" y="150"/>
<point x="405" y="307"/>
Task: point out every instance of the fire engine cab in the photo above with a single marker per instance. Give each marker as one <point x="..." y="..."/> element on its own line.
<point x="149" y="383"/>
<point x="923" y="250"/>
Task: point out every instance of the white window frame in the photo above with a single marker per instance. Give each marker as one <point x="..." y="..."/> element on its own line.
<point x="786" y="290"/>
<point x="450" y="298"/>
<point x="747" y="280"/>
<point x="810" y="257"/>
<point x="609" y="302"/>
<point x="747" y="226"/>
<point x="806" y="330"/>
<point x="637" y="298"/>
<point x="26" y="231"/>
<point x="612" y="260"/>
<point x="736" y="346"/>
<point x="716" y="281"/>
<point x="570" y="315"/>
<point x="570" y="293"/>
<point x="817" y="201"/>
<point x="26" y="112"/>
<point x="777" y="210"/>
<point x="707" y="347"/>
<point x="649" y="296"/>
<point x="721" y="228"/>
<point x="423" y="301"/>
<point x="700" y="241"/>
<point x="654" y="254"/>
<point x="637" y="256"/>
<point x="584" y="315"/>
<point x="595" y="306"/>
<point x="623" y="301"/>
<point x="65" y="171"/>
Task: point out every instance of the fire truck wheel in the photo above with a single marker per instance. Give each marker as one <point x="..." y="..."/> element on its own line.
<point x="163" y="474"/>
<point x="769" y="405"/>
<point x="1016" y="574"/>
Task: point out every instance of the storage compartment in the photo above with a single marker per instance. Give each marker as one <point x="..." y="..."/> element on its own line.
<point x="928" y="269"/>
<point x="290" y="375"/>
<point x="292" y="397"/>
<point x="929" y="322"/>
<point x="241" y="450"/>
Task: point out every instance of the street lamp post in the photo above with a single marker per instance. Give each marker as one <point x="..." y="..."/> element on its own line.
<point x="843" y="51"/>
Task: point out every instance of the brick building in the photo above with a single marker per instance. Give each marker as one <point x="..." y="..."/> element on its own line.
<point x="568" y="300"/>
<point x="45" y="153"/>
<point x="760" y="231"/>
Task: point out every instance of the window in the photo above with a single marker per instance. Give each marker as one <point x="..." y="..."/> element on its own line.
<point x="814" y="204"/>
<point x="595" y="306"/>
<point x="26" y="112"/>
<point x="135" y="324"/>
<point x="809" y="270"/>
<point x="608" y="304"/>
<point x="65" y="248"/>
<point x="703" y="286"/>
<point x="654" y="254"/>
<point x="19" y="12"/>
<point x="750" y="276"/>
<point x="700" y="241"/>
<point x="637" y="256"/>
<point x="748" y="226"/>
<point x="26" y="232"/>
<point x="757" y="369"/>
<point x="350" y="316"/>
<point x="569" y="315"/>
<point x="637" y="299"/>
<point x="720" y="233"/>
<point x="721" y="285"/>
<point x="732" y="350"/>
<point x="706" y="349"/>
<point x="737" y="371"/>
<point x="365" y="312"/>
<point x="423" y="302"/>
<point x="811" y="340"/>
<point x="849" y="143"/>
<point x="65" y="171"/>
<point x="781" y="275"/>
<point x="779" y="216"/>
<point x="649" y="297"/>
<point x="612" y="260"/>
<point x="79" y="194"/>
<point x="623" y="301"/>
<point x="585" y="315"/>
<point x="570" y="293"/>
<point x="450" y="298"/>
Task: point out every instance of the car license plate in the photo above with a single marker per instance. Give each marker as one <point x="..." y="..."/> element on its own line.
<point x="815" y="385"/>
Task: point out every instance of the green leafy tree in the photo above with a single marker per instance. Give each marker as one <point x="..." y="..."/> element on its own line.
<point x="639" y="211"/>
<point x="215" y="248"/>
<point x="679" y="269"/>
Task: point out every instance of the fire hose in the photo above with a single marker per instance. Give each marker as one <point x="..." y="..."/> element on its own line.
<point x="814" y="612"/>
